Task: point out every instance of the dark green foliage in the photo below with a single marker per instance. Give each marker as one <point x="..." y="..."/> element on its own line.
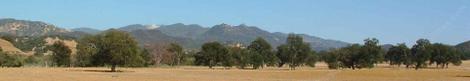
<point x="408" y="58"/>
<point x="357" y="56"/>
<point x="398" y="55"/>
<point x="200" y="60"/>
<point x="147" y="57"/>
<point x="10" y="60"/>
<point x="86" y="49"/>
<point x="241" y="56"/>
<point x="354" y="56"/>
<point x="295" y="52"/>
<point x="421" y="52"/>
<point x="331" y="58"/>
<point x="282" y="54"/>
<point x="28" y="43"/>
<point x="112" y="47"/>
<point x="442" y="55"/>
<point x="312" y="59"/>
<point x="261" y="53"/>
<point x="118" y="48"/>
<point x="212" y="54"/>
<point x="227" y="60"/>
<point x="255" y="59"/>
<point x="61" y="54"/>
<point x="370" y="54"/>
<point x="349" y="56"/>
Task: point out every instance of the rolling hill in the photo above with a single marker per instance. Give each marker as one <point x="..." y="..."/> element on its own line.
<point x="464" y="47"/>
<point x="28" y="28"/>
<point x="9" y="48"/>
<point x="241" y="34"/>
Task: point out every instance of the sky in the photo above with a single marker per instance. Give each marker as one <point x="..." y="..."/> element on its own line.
<point x="390" y="21"/>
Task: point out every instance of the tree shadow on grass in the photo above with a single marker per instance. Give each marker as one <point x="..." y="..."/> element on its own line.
<point x="248" y="68"/>
<point x="465" y="76"/>
<point x="94" y="70"/>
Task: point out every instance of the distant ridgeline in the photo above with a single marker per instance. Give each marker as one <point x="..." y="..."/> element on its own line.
<point x="190" y="36"/>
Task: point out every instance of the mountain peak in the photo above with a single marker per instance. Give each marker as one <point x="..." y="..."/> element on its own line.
<point x="152" y="26"/>
<point x="28" y="28"/>
<point x="133" y="27"/>
<point x="223" y="25"/>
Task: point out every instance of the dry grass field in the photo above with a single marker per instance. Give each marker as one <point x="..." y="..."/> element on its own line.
<point x="191" y="73"/>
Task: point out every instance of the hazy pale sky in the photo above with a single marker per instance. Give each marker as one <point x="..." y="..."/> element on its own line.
<point x="391" y="21"/>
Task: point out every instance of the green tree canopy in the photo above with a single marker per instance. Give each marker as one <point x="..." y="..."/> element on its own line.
<point x="421" y="52"/>
<point x="117" y="48"/>
<point x="443" y="54"/>
<point x="212" y="53"/>
<point x="398" y="55"/>
<point x="86" y="49"/>
<point x="295" y="52"/>
<point x="61" y="54"/>
<point x="371" y="53"/>
<point x="261" y="51"/>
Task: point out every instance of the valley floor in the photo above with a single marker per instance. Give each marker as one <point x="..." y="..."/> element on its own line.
<point x="192" y="73"/>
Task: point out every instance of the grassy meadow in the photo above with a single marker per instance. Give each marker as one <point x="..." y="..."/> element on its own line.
<point x="192" y="73"/>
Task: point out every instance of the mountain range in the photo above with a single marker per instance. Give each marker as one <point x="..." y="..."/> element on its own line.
<point x="190" y="36"/>
<point x="194" y="35"/>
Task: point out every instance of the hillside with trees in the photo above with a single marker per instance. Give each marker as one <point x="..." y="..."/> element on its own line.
<point x="243" y="47"/>
<point x="465" y="49"/>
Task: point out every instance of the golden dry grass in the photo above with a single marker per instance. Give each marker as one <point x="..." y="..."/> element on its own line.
<point x="191" y="73"/>
<point x="8" y="47"/>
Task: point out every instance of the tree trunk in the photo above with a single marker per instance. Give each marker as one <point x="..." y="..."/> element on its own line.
<point x="447" y="65"/>
<point x="417" y="66"/>
<point x="353" y="66"/>
<point x="113" y="68"/>
<point x="210" y="64"/>
<point x="280" y="64"/>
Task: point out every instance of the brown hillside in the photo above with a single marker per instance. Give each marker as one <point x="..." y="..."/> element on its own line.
<point x="9" y="48"/>
<point x="72" y="44"/>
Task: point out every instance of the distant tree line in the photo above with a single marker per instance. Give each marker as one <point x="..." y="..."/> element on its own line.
<point x="258" y="54"/>
<point x="297" y="53"/>
<point x="422" y="54"/>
